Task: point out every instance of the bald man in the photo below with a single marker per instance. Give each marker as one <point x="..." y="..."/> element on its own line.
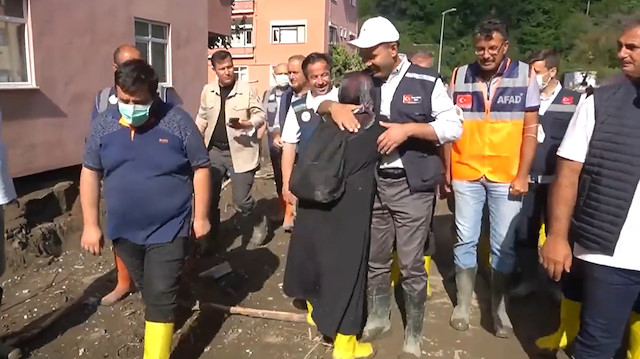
<point x="107" y="100"/>
<point x="422" y="59"/>
<point x="271" y="104"/>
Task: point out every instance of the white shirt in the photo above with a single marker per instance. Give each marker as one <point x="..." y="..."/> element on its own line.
<point x="447" y="121"/>
<point x="574" y="147"/>
<point x="546" y="102"/>
<point x="291" y="130"/>
<point x="7" y="190"/>
<point x="544" y="106"/>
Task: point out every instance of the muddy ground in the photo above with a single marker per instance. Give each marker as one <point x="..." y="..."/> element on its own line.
<point x="35" y="293"/>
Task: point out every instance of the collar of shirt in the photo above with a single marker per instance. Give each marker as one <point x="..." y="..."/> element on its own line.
<point x="314" y="102"/>
<point x="546" y="102"/>
<point x="553" y="95"/>
<point x="493" y="82"/>
<point x="389" y="87"/>
<point x="235" y="89"/>
<point x="400" y="69"/>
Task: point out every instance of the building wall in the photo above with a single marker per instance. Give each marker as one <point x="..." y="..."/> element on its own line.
<point x="72" y="42"/>
<point x="344" y="15"/>
<point x="219" y="16"/>
<point x="264" y="53"/>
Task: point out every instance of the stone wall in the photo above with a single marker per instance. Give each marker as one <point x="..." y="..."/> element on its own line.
<point x="43" y="221"/>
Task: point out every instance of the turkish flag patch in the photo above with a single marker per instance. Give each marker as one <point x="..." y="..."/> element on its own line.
<point x="464" y="101"/>
<point x="567" y="100"/>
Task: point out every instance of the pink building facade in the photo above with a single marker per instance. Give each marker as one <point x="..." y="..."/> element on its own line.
<point x="55" y="56"/>
<point x="270" y="31"/>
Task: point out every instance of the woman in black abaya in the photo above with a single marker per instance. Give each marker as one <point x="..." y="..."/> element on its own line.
<point x="329" y="248"/>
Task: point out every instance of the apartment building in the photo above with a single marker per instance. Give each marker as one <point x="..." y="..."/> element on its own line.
<point x="267" y="32"/>
<point x="55" y="55"/>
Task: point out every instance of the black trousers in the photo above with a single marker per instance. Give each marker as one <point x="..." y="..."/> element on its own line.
<point x="532" y="215"/>
<point x="155" y="269"/>
<point x="609" y="294"/>
<point x="276" y="163"/>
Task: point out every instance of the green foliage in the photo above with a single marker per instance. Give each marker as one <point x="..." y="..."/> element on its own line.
<point x="586" y="42"/>
<point x="344" y="60"/>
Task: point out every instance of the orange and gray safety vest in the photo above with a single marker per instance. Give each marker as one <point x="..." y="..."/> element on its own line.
<point x="492" y="128"/>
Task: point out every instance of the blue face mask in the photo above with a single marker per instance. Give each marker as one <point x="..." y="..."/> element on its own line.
<point x="134" y="114"/>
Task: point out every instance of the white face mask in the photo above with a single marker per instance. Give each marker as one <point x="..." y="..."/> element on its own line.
<point x="282" y="80"/>
<point x="541" y="83"/>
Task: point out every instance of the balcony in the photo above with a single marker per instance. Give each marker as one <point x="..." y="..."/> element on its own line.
<point x="245" y="52"/>
<point x="243" y="7"/>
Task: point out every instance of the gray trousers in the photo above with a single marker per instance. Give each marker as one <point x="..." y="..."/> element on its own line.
<point x="403" y="218"/>
<point x="241" y="183"/>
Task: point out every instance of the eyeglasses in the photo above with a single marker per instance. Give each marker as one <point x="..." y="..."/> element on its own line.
<point x="493" y="50"/>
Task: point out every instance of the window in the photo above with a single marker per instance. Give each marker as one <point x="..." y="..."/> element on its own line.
<point x="333" y="35"/>
<point x="288" y="33"/>
<point x="14" y="54"/>
<point x="353" y="3"/>
<point x="242" y="35"/>
<point x="242" y="73"/>
<point x="152" y="39"/>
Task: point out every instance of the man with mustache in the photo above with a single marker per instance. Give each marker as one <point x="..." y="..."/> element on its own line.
<point x="490" y="164"/>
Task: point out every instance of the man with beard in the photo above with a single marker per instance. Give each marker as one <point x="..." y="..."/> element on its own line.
<point x="490" y="164"/>
<point x="421" y="118"/>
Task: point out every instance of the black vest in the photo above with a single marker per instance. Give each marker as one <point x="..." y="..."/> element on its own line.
<point x="611" y="170"/>
<point x="308" y="121"/>
<point x="412" y="103"/>
<point x="271" y="108"/>
<point x="554" y="123"/>
<point x="285" y="103"/>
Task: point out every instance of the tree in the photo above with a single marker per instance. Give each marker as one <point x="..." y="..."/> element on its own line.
<point x="586" y="42"/>
<point x="343" y="61"/>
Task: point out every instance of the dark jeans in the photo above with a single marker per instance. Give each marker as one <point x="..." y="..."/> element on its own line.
<point x="608" y="297"/>
<point x="155" y="269"/>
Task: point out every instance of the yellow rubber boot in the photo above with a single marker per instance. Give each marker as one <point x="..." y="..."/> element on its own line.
<point x="427" y="267"/>
<point x="568" y="329"/>
<point x="348" y="347"/>
<point x="157" y="340"/>
<point x="309" y="314"/>
<point x="395" y="270"/>
<point x="634" y="336"/>
<point x="542" y="235"/>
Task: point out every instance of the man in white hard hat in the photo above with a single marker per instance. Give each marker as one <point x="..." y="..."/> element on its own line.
<point x="421" y="117"/>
